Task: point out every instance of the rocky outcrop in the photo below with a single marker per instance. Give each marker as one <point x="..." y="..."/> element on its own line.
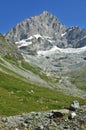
<point x="50" y="120"/>
<point x="76" y="37"/>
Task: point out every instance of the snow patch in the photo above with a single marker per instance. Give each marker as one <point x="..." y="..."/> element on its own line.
<point x="47" y="37"/>
<point x="63" y="34"/>
<point x="24" y="44"/>
<point x="82" y="38"/>
<point x="51" y="41"/>
<point x="56" y="49"/>
<point x="30" y="38"/>
<point x="20" y="42"/>
<point x="37" y="36"/>
<point x="52" y="50"/>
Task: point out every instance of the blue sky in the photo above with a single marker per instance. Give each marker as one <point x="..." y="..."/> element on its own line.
<point x="69" y="12"/>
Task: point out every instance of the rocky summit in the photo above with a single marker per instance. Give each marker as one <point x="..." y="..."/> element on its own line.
<point x="48" y="26"/>
<point x="44" y="24"/>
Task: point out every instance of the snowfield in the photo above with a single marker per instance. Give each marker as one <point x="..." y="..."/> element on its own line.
<point x="56" y="49"/>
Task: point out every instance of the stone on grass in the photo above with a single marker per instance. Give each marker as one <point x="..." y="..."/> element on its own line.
<point x="74" y="105"/>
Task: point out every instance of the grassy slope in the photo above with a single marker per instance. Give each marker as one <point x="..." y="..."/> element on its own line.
<point x="79" y="78"/>
<point x="28" y="67"/>
<point x="51" y="79"/>
<point x="17" y="96"/>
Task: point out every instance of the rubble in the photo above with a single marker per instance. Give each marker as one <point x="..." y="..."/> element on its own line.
<point x="64" y="119"/>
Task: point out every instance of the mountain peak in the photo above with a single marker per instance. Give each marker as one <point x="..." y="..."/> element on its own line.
<point x="46" y="13"/>
<point x="43" y="24"/>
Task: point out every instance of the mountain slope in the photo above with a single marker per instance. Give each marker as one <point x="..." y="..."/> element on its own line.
<point x="15" y="65"/>
<point x="21" y="93"/>
<point x="17" y="96"/>
<point x="9" y="50"/>
<point x="24" y="88"/>
<point x="50" y="73"/>
<point x="44" y="42"/>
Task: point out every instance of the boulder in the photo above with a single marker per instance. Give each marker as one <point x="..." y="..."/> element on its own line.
<point x="57" y="114"/>
<point x="72" y="115"/>
<point x="74" y="105"/>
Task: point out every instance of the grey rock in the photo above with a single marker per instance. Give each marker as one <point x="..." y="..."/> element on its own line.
<point x="74" y="105"/>
<point x="72" y="115"/>
<point x="76" y="37"/>
<point x="4" y="119"/>
<point x="44" y="24"/>
<point x="42" y="121"/>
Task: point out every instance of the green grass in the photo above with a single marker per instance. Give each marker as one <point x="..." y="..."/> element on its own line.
<point x="38" y="71"/>
<point x="17" y="96"/>
<point x="10" y="72"/>
<point x="79" y="78"/>
<point x="2" y="38"/>
<point x="28" y="67"/>
<point x="11" y="60"/>
<point x="32" y="68"/>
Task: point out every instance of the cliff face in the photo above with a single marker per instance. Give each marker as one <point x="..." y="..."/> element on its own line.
<point x="44" y="24"/>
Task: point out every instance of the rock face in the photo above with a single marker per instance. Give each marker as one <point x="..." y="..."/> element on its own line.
<point x="48" y="25"/>
<point x="44" y="24"/>
<point x="76" y="37"/>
